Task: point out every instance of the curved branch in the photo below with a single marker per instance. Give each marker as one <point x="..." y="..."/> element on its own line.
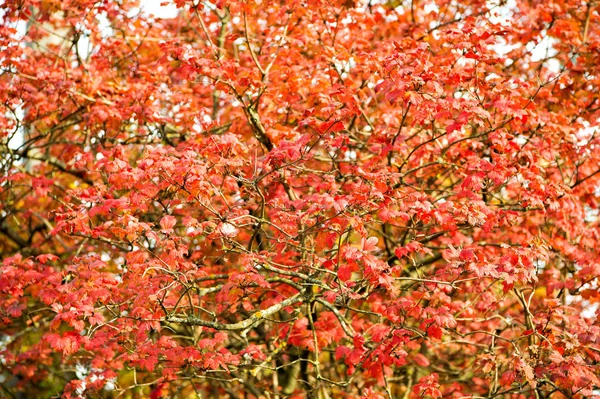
<point x="256" y="318"/>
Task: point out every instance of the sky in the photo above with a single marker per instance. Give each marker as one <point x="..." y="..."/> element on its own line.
<point x="168" y="10"/>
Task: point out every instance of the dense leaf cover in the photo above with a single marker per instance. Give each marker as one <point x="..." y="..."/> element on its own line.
<point x="300" y="198"/>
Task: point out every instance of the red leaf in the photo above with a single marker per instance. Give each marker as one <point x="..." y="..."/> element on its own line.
<point x="158" y="392"/>
<point x="67" y="343"/>
<point x="508" y="377"/>
<point x="421" y="360"/>
<point x="168" y="222"/>
<point x="43" y="259"/>
<point x="434" y="331"/>
<point x="369" y="244"/>
<point x="344" y="273"/>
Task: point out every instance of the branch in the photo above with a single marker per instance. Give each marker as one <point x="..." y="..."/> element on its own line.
<point x="586" y="26"/>
<point x="13" y="235"/>
<point x="256" y="318"/>
<point x="254" y="58"/>
<point x="343" y="322"/>
<point x="78" y="173"/>
<point x="398" y="134"/>
<point x="579" y="181"/>
<point x="259" y="130"/>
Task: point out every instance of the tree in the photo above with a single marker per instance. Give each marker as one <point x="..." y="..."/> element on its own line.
<point x="303" y="198"/>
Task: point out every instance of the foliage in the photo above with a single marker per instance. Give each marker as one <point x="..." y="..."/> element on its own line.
<point x="300" y="198"/>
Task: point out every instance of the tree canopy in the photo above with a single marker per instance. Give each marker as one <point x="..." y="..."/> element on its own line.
<point x="300" y="199"/>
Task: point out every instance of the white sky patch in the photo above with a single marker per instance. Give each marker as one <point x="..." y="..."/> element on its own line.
<point x="160" y="8"/>
<point x="502" y="47"/>
<point x="431" y="7"/>
<point x="104" y="25"/>
<point x="585" y="134"/>
<point x="501" y="12"/>
<point x="350" y="156"/>
<point x="544" y="50"/>
<point x="591" y="215"/>
<point x="16" y="141"/>
<point x="589" y="311"/>
<point x="344" y="66"/>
